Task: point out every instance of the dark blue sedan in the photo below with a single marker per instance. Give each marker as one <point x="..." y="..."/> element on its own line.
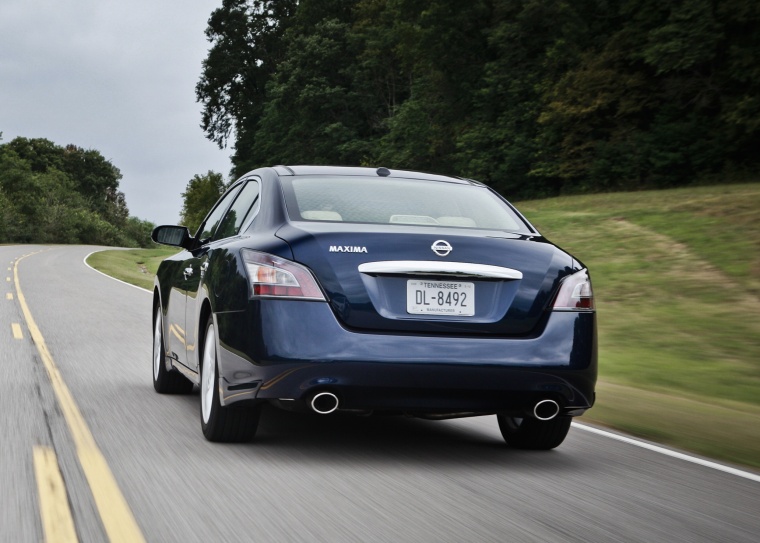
<point x="363" y="290"/>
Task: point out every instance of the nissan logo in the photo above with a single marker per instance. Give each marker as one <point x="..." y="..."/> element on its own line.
<point x="442" y="247"/>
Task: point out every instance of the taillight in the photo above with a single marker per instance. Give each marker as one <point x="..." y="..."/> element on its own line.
<point x="271" y="275"/>
<point x="575" y="293"/>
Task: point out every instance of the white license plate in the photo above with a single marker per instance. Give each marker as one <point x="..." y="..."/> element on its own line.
<point x="452" y="298"/>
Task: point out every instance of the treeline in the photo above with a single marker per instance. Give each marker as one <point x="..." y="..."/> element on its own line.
<point x="53" y="194"/>
<point x="200" y="195"/>
<point x="534" y="97"/>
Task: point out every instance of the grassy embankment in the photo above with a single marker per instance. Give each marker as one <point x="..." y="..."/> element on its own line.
<point x="677" y="280"/>
<point x="135" y="266"/>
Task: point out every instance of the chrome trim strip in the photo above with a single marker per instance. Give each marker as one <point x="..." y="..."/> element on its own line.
<point x="424" y="267"/>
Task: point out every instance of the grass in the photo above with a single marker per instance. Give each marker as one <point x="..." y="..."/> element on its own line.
<point x="729" y="432"/>
<point x="135" y="266"/>
<point x="676" y="276"/>
<point x="677" y="280"/>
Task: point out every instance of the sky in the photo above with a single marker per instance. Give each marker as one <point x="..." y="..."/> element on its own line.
<point x="117" y="77"/>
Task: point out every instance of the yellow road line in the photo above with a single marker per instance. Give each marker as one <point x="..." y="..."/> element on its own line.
<point x="118" y="521"/>
<point x="17" y="333"/>
<point x="57" y="522"/>
<point x="8" y="295"/>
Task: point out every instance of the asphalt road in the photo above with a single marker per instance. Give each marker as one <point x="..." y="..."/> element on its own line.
<point x="305" y="478"/>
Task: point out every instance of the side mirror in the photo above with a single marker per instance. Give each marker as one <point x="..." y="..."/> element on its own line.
<point x="176" y="236"/>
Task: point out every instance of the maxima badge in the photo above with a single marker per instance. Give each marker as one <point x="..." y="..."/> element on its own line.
<point x="442" y="247"/>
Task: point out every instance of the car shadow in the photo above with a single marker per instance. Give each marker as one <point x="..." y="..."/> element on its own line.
<point x="346" y="439"/>
<point x="378" y="439"/>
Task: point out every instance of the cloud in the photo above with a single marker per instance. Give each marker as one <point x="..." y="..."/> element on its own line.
<point x="118" y="77"/>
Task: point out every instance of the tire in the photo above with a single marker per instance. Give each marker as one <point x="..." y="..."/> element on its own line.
<point x="165" y="381"/>
<point x="533" y="434"/>
<point x="231" y="424"/>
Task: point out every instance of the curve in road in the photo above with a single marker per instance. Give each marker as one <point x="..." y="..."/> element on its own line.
<point x="309" y="477"/>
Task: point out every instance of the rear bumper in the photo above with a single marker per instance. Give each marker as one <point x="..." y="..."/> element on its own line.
<point x="292" y="350"/>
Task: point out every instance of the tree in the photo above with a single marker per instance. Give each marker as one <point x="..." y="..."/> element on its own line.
<point x="439" y="48"/>
<point x="247" y="46"/>
<point x="94" y="177"/>
<point x="97" y="180"/>
<point x="534" y="97"/>
<point x="53" y="194"/>
<point x="201" y="194"/>
<point x="313" y="113"/>
<point x="8" y="218"/>
<point x="668" y="96"/>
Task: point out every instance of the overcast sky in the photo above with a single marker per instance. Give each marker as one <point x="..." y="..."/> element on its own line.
<point x="118" y="77"/>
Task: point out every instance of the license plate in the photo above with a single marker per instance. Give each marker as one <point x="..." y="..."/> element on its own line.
<point x="453" y="298"/>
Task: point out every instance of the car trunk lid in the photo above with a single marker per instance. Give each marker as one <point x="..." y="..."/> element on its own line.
<point x="434" y="281"/>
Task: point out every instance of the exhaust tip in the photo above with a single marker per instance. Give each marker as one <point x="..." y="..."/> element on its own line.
<point x="546" y="410"/>
<point x="324" y="403"/>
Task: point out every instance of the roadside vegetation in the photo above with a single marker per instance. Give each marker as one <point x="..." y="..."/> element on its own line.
<point x="676" y="276"/>
<point x="55" y="194"/>
<point x="677" y="279"/>
<point x="536" y="98"/>
<point x="135" y="266"/>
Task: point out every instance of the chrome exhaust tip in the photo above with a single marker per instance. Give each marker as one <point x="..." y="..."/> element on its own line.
<point x="324" y="403"/>
<point x="546" y="410"/>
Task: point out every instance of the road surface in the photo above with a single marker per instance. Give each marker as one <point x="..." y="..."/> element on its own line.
<point x="134" y="464"/>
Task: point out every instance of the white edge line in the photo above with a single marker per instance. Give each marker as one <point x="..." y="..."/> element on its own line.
<point x="667" y="452"/>
<point x="106" y="275"/>
<point x="593" y="430"/>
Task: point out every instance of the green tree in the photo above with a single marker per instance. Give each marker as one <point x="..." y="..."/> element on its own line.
<point x="94" y="177"/>
<point x="313" y="113"/>
<point x="137" y="232"/>
<point x="9" y="220"/>
<point x="741" y="109"/>
<point x="530" y="44"/>
<point x="534" y="97"/>
<point x="97" y="180"/>
<point x="53" y="194"/>
<point x="12" y="173"/>
<point x="665" y="98"/>
<point x="246" y="48"/>
<point x="421" y="61"/>
<point x="200" y="195"/>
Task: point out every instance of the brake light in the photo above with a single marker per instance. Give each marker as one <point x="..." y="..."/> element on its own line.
<point x="271" y="275"/>
<point x="575" y="293"/>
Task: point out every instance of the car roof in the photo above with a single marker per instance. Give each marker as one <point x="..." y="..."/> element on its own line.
<point x="285" y="171"/>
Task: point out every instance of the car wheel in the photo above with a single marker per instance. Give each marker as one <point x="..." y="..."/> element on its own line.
<point x="529" y="433"/>
<point x="165" y="381"/>
<point x="220" y="423"/>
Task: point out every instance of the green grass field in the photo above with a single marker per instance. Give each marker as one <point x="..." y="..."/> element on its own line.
<point x="676" y="275"/>
<point x="677" y="280"/>
<point x="135" y="266"/>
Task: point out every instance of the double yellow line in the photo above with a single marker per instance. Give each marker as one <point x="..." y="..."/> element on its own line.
<point x="117" y="518"/>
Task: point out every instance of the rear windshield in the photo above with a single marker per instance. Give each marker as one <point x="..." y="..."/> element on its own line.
<point x="398" y="201"/>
